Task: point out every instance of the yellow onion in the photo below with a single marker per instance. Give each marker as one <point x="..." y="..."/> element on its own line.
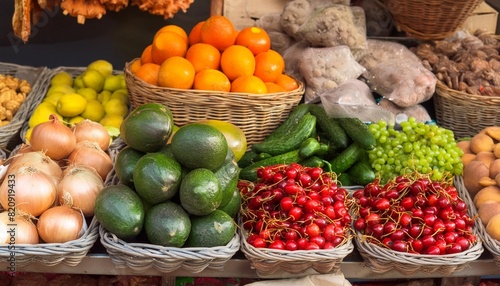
<point x="29" y="190"/>
<point x="20" y="230"/>
<point x="88" y="153"/>
<point x="60" y="224"/>
<point x="54" y="138"/>
<point x="79" y="188"/>
<point x="38" y="160"/>
<point x="92" y="131"/>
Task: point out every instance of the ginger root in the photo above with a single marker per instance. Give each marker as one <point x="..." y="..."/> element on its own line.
<point x="166" y="8"/>
<point x="83" y="9"/>
<point x="13" y="92"/>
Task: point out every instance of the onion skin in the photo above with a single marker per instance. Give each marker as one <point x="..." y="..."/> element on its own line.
<point x="88" y="153"/>
<point x="92" y="131"/>
<point x="60" y="224"/>
<point x="28" y="190"/>
<point x="79" y="188"/>
<point x="24" y="230"/>
<point x="38" y="160"/>
<point x="54" y="138"/>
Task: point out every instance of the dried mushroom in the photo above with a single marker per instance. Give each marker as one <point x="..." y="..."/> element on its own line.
<point x="469" y="64"/>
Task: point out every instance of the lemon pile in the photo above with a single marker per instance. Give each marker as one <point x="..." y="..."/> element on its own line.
<point x="96" y="94"/>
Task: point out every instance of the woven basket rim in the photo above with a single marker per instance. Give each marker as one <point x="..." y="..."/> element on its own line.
<point x="421" y="260"/>
<point x="136" y="249"/>
<point x="228" y="95"/>
<point x="82" y="244"/>
<point x="443" y="90"/>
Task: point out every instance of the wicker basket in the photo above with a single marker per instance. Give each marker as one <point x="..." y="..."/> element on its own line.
<point x="73" y="71"/>
<point x="256" y="114"/>
<point x="430" y="19"/>
<point x="36" y="77"/>
<point x="268" y="261"/>
<point x="465" y="114"/>
<point x="491" y="244"/>
<point x="381" y="259"/>
<point x="69" y="253"/>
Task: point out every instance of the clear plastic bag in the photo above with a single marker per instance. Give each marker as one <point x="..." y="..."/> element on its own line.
<point x="378" y="51"/>
<point x="417" y="111"/>
<point x="405" y="83"/>
<point x="353" y="98"/>
<point x="323" y="69"/>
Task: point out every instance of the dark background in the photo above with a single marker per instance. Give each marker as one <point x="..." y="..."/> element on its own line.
<point x="117" y="37"/>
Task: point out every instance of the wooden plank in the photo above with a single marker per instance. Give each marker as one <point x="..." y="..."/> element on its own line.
<point x="216" y="7"/>
<point x="244" y="13"/>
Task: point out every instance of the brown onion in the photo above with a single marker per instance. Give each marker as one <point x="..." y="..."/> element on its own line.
<point x="38" y="160"/>
<point x="60" y="224"/>
<point x="29" y="190"/>
<point x="79" y="188"/>
<point x="88" y="153"/>
<point x="92" y="131"/>
<point x="54" y="138"/>
<point x="20" y="231"/>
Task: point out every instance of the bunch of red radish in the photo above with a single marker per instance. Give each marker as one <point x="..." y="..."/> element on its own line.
<point x="414" y="214"/>
<point x="293" y="207"/>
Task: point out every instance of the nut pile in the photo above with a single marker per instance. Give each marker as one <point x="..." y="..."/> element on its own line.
<point x="13" y="92"/>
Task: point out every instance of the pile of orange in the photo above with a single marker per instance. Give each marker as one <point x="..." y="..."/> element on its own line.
<point x="213" y="56"/>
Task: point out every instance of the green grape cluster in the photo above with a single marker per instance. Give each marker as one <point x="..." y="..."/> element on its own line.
<point x="425" y="148"/>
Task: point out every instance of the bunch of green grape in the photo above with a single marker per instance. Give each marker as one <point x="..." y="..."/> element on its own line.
<point x="414" y="146"/>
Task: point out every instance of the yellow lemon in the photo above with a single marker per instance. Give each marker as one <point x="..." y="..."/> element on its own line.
<point x="102" y="66"/>
<point x="87" y="92"/>
<point x="104" y="96"/>
<point x="111" y="120"/>
<point x="112" y="83"/>
<point x="42" y="113"/>
<point x="60" y="88"/>
<point x="94" y="110"/>
<point x="78" y="82"/>
<point x="116" y="106"/>
<point x="61" y="78"/>
<point x="27" y="135"/>
<point x="123" y="82"/>
<point x="120" y="94"/>
<point x="93" y="79"/>
<point x="71" y="104"/>
<point x="53" y="97"/>
<point x="75" y="120"/>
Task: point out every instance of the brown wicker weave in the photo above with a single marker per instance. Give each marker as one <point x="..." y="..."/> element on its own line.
<point x="36" y="76"/>
<point x="465" y="114"/>
<point x="381" y="259"/>
<point x="268" y="261"/>
<point x="491" y="244"/>
<point x="430" y="19"/>
<point x="256" y="114"/>
<point x="69" y="253"/>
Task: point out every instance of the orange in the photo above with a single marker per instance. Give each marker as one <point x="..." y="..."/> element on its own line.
<point x="287" y="82"/>
<point x="203" y="56"/>
<point x="148" y="72"/>
<point x="168" y="44"/>
<point x="236" y="61"/>
<point x="248" y="84"/>
<point x="211" y="79"/>
<point x="135" y="65"/>
<point x="273" y="87"/>
<point x="254" y="38"/>
<point x="218" y="31"/>
<point x="269" y="65"/>
<point x="147" y="56"/>
<point x="194" y="35"/>
<point x="176" y="72"/>
<point x="173" y="28"/>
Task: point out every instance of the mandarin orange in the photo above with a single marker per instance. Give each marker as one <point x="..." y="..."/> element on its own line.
<point x="248" y="84"/>
<point x="218" y="31"/>
<point x="148" y="72"/>
<point x="254" y="38"/>
<point x="176" y="72"/>
<point x="269" y="65"/>
<point x="211" y="79"/>
<point x="168" y="44"/>
<point x="203" y="56"/>
<point x="236" y="61"/>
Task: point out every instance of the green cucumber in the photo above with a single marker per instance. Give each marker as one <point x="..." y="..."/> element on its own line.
<point x="249" y="173"/>
<point x="313" y="161"/>
<point x="361" y="173"/>
<point x="290" y="140"/>
<point x="358" y="131"/>
<point x="247" y="159"/>
<point x="346" y="158"/>
<point x="330" y="127"/>
<point x="309" y="147"/>
<point x="293" y="119"/>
